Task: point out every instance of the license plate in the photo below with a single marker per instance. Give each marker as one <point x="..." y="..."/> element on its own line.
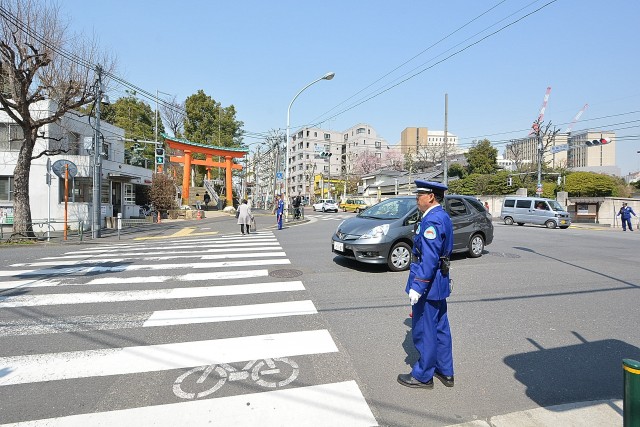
<point x="338" y="246"/>
<point x="563" y="221"/>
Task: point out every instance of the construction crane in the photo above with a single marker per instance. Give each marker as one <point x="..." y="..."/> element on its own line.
<point x="575" y="119"/>
<point x="536" y="124"/>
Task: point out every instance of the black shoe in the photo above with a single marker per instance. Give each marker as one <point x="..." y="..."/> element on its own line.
<point x="446" y="380"/>
<point x="408" y="381"/>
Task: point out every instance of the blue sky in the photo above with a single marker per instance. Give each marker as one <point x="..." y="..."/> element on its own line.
<point x="257" y="55"/>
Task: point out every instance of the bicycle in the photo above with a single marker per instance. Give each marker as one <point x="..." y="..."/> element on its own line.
<point x="219" y="374"/>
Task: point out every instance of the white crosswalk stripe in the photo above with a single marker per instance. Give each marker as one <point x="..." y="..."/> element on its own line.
<point x="206" y="281"/>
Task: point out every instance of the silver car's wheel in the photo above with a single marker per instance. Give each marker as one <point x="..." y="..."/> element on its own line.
<point x="476" y="246"/>
<point x="550" y="224"/>
<point x="323" y="209"/>
<point x="399" y="257"/>
<point x="508" y="220"/>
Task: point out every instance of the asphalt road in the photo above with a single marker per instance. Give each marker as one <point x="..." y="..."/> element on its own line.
<point x="544" y="317"/>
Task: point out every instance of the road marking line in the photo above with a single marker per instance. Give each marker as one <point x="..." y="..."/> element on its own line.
<point x="334" y="404"/>
<point x="267" y="246"/>
<point x="209" y="244"/>
<point x="148" y="258"/>
<point x="136" y="267"/>
<point x="229" y="313"/>
<point x="189" y="277"/>
<point x="147" y="295"/>
<point x="161" y="357"/>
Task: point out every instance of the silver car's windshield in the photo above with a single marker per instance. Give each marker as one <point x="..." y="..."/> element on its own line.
<point x="556" y="206"/>
<point x="389" y="209"/>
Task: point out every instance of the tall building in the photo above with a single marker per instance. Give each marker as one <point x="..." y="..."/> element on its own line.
<point x="417" y="140"/>
<point x="309" y="150"/>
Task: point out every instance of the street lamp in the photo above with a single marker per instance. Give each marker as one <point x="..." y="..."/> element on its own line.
<point x="327" y="76"/>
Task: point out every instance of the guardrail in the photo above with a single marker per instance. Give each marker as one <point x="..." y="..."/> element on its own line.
<point x="45" y="230"/>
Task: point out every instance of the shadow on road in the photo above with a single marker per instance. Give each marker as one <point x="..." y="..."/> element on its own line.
<point x="575" y="373"/>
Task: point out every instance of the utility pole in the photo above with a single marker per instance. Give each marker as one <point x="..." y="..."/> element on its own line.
<point x="445" y="163"/>
<point x="97" y="162"/>
<point x="539" y="186"/>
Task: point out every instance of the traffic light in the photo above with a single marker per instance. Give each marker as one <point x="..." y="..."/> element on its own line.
<point x="509" y="181"/>
<point x="601" y="141"/>
<point x="159" y="156"/>
<point x="325" y="154"/>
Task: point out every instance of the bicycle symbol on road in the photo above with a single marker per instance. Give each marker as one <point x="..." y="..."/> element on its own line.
<point x="265" y="373"/>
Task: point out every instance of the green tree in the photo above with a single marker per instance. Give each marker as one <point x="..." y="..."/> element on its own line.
<point x="458" y="170"/>
<point x="589" y="184"/>
<point x="482" y="158"/>
<point x="207" y="122"/>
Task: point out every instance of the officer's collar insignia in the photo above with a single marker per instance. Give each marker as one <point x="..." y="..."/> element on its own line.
<point x="430" y="233"/>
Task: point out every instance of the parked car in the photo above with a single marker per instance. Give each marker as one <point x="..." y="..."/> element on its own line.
<point x="325" y="205"/>
<point x="353" y="205"/>
<point x="534" y="210"/>
<point x="383" y="234"/>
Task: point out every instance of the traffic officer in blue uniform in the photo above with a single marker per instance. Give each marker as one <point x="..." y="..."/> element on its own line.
<point x="279" y="212"/>
<point x="428" y="287"/>
<point x="626" y="212"/>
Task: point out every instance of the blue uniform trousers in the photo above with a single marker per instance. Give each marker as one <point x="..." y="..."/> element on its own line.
<point x="626" y="222"/>
<point x="432" y="338"/>
<point x="280" y="222"/>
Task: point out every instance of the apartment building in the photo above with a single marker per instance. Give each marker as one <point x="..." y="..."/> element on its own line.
<point x="316" y="151"/>
<point x="421" y="139"/>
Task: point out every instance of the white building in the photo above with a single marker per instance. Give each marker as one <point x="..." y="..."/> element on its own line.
<point x="122" y="184"/>
<point x="309" y="149"/>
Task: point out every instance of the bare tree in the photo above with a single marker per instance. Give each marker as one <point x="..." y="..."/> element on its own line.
<point x="174" y="113"/>
<point x="35" y="66"/>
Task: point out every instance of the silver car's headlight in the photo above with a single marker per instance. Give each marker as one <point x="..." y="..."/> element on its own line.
<point x="375" y="232"/>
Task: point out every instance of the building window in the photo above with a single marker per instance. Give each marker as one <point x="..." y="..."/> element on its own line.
<point x="378" y="144"/>
<point x="327" y="136"/>
<point x="6" y="188"/>
<point x="346" y="136"/>
<point x="11" y="137"/>
<point x="378" y="155"/>
<point x="360" y="130"/>
<point x="368" y="131"/>
<point x="308" y="132"/>
<point x="315" y="134"/>
<point x="307" y="144"/>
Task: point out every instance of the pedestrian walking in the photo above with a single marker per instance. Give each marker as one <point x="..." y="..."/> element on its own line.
<point x="486" y="206"/>
<point x="198" y="204"/>
<point x="428" y="287"/>
<point x="279" y="211"/>
<point x="244" y="216"/>
<point x="206" y="199"/>
<point x="625" y="213"/>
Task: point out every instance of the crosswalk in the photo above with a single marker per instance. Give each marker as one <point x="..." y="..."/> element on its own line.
<point x="184" y="332"/>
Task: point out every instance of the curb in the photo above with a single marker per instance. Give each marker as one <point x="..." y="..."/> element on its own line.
<point x="600" y="413"/>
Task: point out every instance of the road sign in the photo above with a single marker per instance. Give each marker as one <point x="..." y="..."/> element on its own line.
<point x="279" y="175"/>
<point x="559" y="148"/>
<point x="58" y="168"/>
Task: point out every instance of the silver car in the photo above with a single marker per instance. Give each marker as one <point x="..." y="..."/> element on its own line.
<point x="383" y="234"/>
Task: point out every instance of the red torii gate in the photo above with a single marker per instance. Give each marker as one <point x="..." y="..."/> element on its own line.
<point x="188" y="148"/>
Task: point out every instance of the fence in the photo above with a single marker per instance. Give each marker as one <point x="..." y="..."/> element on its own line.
<point x="46" y="230"/>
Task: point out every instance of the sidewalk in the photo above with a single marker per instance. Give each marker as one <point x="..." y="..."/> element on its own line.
<point x="601" y="413"/>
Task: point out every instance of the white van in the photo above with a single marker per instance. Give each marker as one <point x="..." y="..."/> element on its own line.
<point x="534" y="210"/>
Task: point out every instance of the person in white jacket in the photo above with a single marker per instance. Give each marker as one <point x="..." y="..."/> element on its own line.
<point x="244" y="216"/>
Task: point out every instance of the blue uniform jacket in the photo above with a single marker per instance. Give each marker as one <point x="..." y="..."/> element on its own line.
<point x="433" y="239"/>
<point x="626" y="212"/>
<point x="280" y="209"/>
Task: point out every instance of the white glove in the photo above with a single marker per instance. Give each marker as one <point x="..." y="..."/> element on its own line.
<point x="414" y="296"/>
